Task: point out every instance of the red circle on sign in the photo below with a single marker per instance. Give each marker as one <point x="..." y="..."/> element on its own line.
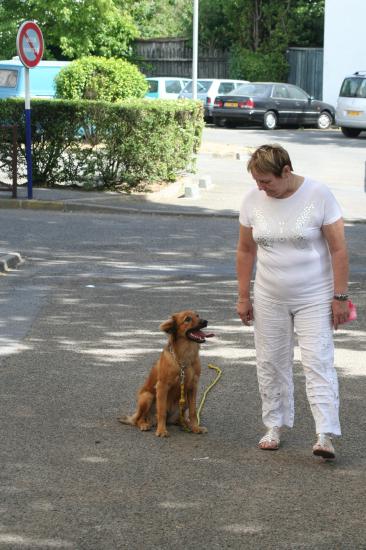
<point x="30" y="44"/>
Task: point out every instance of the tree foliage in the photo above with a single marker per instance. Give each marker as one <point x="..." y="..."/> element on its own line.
<point x="73" y="28"/>
<point x="257" y="33"/>
<point x="258" y="66"/>
<point x="261" y="25"/>
<point x="161" y="18"/>
<point x="70" y="28"/>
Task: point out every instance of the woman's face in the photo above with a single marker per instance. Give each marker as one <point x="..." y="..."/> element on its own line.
<point x="274" y="186"/>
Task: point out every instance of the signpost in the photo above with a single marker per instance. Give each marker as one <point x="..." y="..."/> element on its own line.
<point x="195" y="49"/>
<point x="30" y="50"/>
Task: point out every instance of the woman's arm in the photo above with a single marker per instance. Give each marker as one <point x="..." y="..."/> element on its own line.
<point x="334" y="235"/>
<point x="245" y="258"/>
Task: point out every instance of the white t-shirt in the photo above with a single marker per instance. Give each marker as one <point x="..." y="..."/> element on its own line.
<point x="293" y="259"/>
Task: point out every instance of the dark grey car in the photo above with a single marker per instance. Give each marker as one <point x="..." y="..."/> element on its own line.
<point x="271" y="104"/>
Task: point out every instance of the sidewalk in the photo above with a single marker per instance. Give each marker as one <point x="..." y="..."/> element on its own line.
<point x="230" y="182"/>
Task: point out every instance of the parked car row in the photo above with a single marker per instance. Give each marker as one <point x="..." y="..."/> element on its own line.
<point x="229" y="102"/>
<point x="207" y="91"/>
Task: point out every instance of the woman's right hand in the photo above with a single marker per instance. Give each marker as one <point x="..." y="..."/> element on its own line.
<point x="244" y="309"/>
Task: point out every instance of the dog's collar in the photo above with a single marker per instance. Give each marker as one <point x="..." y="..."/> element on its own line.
<point x="182" y="366"/>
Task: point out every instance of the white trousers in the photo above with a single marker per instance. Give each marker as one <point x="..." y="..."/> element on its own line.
<point x="274" y="326"/>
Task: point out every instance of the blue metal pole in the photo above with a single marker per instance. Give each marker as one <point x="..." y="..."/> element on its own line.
<point x="28" y="150"/>
<point x="28" y="135"/>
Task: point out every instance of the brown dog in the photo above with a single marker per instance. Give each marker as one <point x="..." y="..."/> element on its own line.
<point x="162" y="389"/>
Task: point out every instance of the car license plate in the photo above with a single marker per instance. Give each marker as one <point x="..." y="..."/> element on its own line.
<point x="354" y="113"/>
<point x="231" y="104"/>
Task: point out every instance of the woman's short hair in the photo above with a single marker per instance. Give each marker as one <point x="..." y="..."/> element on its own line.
<point x="270" y="158"/>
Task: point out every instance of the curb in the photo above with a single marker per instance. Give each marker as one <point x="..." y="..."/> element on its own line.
<point x="64" y="206"/>
<point x="9" y="261"/>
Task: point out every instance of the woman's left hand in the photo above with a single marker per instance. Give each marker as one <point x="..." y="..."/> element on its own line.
<point x="340" y="312"/>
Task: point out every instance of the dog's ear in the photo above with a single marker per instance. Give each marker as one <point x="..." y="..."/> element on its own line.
<point x="169" y="326"/>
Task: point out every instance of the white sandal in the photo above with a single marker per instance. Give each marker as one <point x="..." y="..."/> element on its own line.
<point x="272" y="436"/>
<point x="324" y="447"/>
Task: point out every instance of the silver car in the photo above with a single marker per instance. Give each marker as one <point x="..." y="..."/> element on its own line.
<point x="351" y="105"/>
<point x="208" y="89"/>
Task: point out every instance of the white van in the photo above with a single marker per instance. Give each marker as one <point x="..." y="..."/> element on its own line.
<point x="165" y="87"/>
<point x="351" y="105"/>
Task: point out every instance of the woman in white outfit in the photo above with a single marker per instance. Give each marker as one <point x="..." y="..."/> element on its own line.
<point x="292" y="228"/>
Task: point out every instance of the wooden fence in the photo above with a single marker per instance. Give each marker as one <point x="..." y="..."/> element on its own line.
<point x="173" y="57"/>
<point x="306" y="69"/>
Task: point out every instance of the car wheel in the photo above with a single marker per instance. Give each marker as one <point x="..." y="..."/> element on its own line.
<point x="220" y="122"/>
<point x="350" y="132"/>
<point x="270" y="120"/>
<point x="325" y="120"/>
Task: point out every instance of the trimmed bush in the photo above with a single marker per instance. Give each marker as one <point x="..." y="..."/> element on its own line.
<point x="98" y="78"/>
<point x="132" y="144"/>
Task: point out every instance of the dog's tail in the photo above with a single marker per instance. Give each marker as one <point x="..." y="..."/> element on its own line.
<point x="131" y="420"/>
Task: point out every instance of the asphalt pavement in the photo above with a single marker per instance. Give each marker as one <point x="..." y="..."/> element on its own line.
<point x="79" y="330"/>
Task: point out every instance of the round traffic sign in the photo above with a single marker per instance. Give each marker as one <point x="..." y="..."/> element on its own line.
<point x="30" y="44"/>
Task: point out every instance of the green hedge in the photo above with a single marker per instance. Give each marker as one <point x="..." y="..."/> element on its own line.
<point x="258" y="66"/>
<point x="99" y="144"/>
<point x="100" y="79"/>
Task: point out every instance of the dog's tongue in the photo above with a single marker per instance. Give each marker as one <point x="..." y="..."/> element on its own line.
<point x="202" y="334"/>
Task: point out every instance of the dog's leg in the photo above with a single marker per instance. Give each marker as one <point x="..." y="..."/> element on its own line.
<point x="141" y="417"/>
<point x="193" y="421"/>
<point x="144" y="403"/>
<point x="161" y="408"/>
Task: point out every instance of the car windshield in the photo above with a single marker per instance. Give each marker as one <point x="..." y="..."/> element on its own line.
<point x="353" y="87"/>
<point x="250" y="90"/>
<point x="202" y="86"/>
<point x="8" y="78"/>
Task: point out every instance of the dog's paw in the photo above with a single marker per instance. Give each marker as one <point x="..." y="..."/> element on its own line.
<point x="145" y="426"/>
<point x="199" y="430"/>
<point x="161" y="433"/>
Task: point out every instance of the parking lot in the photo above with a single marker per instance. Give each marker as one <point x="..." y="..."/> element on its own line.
<point x="325" y="154"/>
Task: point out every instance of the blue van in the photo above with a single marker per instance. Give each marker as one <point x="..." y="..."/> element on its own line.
<point x="41" y="77"/>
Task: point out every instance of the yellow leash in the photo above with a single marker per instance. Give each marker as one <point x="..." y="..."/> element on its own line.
<point x="182" y="397"/>
<point x="182" y="402"/>
<point x="219" y="373"/>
